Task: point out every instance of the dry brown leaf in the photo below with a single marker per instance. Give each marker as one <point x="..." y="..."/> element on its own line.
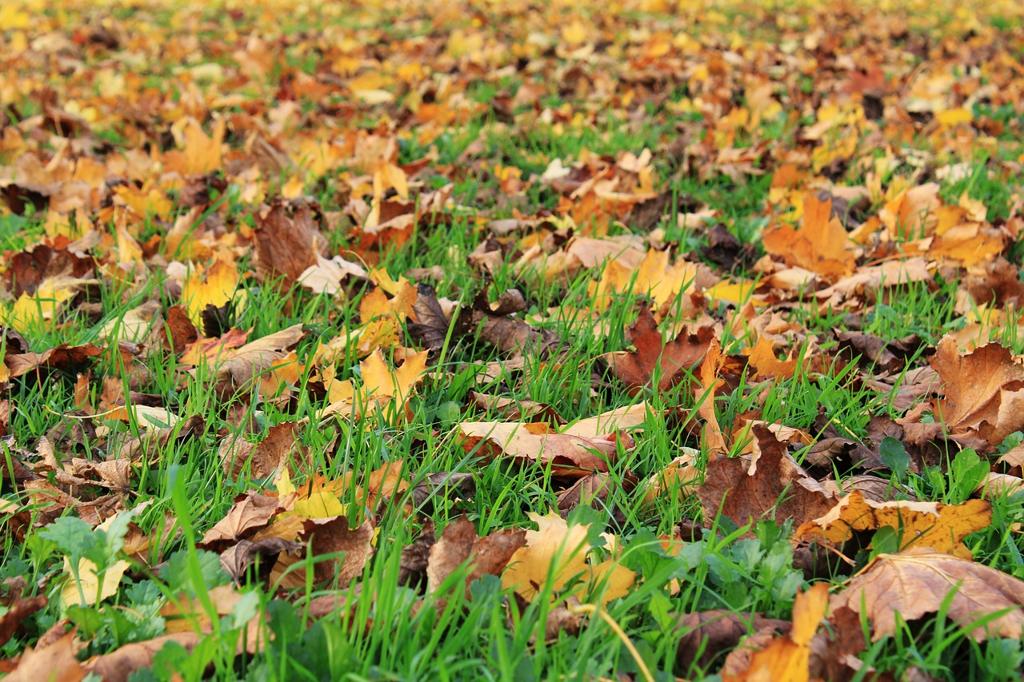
<point x="118" y="665"/>
<point x="52" y="661"/>
<point x="17" y="613"/>
<point x="352" y="547"/>
<point x="287" y="241"/>
<point x="707" y="634"/>
<point x="250" y="512"/>
<point x="62" y="358"/>
<point x="984" y="391"/>
<point x="536" y="442"/>
<point x="450" y="551"/>
<point x="745" y="489"/>
<point x="239" y="367"/>
<point x="915" y="583"/>
<point x="264" y="457"/>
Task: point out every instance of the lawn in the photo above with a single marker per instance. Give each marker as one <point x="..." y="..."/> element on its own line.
<point x="636" y="340"/>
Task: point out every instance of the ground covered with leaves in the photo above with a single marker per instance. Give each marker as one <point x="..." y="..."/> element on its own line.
<point x="511" y="340"/>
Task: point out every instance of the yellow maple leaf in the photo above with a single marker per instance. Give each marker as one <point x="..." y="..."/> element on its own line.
<point x="557" y="552"/>
<point x="215" y="287"/>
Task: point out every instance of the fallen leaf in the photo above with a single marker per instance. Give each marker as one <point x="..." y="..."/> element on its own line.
<point x="240" y="366"/>
<point x="118" y="665"/>
<point x="62" y="358"/>
<point x="264" y="457"/>
<point x="983" y="391"/>
<point x="933" y="525"/>
<point x="250" y="511"/>
<point x="54" y="662"/>
<point x="706" y="634"/>
<point x="820" y="244"/>
<point x="669" y="362"/>
<point x="288" y="241"/>
<point x="917" y="582"/>
<point x="352" y="547"/>
<point x="16" y="614"/>
<point x="746" y="489"/>
<point x="450" y="551"/>
<point x="556" y="555"/>
<point x="536" y="442"/>
<point x="86" y="587"/>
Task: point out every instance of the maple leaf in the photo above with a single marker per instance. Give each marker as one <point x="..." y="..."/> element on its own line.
<point x="917" y="582"/>
<point x="762" y="358"/>
<point x="654" y="277"/>
<point x="708" y="633"/>
<point x="983" y="392"/>
<point x="326" y="275"/>
<point x="123" y="661"/>
<point x="450" y="551"/>
<point x="264" y="457"/>
<point x="62" y="358"/>
<point x="250" y="512"/>
<point x="213" y="287"/>
<point x="288" y="241"/>
<point x="936" y="526"/>
<point x="556" y="554"/>
<point x="236" y="368"/>
<point x="16" y="614"/>
<point x="747" y="488"/>
<point x="353" y="545"/>
<point x="820" y="245"/>
<point x="51" y="659"/>
<point x="670" y="361"/>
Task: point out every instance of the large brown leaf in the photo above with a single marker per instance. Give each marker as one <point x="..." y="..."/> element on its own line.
<point x="707" y="634"/>
<point x="16" y="615"/>
<point x="984" y="391"/>
<point x="915" y="583"/>
<point x="251" y="511"/>
<point x="62" y="358"/>
<point x="287" y="240"/>
<point x="450" y="551"/>
<point x="820" y="244"/>
<point x="747" y="489"/>
<point x="264" y="457"/>
<point x="243" y="364"/>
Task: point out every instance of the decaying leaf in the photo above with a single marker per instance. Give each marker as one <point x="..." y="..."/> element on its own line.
<point x="744" y="488"/>
<point x="918" y="582"/>
<point x="451" y="550"/>
<point x="984" y="392"/>
<point x="707" y="634"/>
<point x="787" y="657"/>
<point x="537" y="442"/>
<point x="820" y="244"/>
